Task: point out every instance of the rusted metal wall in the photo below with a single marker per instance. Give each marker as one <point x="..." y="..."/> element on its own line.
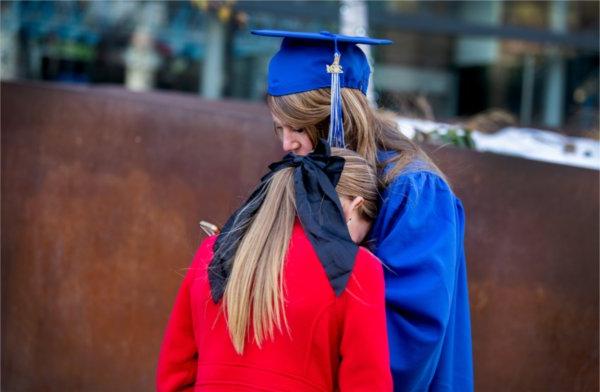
<point x="532" y="256"/>
<point x="102" y="190"/>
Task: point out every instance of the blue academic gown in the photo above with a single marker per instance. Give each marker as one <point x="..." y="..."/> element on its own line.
<point x="419" y="235"/>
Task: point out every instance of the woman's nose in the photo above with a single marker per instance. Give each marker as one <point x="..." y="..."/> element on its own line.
<point x="290" y="144"/>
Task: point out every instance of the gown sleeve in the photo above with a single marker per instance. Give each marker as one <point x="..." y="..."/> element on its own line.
<point x="177" y="362"/>
<point x="419" y="238"/>
<point x="364" y="364"/>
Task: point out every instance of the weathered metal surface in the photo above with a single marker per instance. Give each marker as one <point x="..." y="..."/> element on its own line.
<point x="102" y="190"/>
<point x="532" y="254"/>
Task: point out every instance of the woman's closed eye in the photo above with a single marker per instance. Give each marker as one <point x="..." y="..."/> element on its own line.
<point x="279" y="130"/>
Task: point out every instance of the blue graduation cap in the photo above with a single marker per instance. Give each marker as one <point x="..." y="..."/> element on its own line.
<point x="309" y="61"/>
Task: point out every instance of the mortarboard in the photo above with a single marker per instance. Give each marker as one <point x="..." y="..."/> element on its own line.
<point x="309" y="61"/>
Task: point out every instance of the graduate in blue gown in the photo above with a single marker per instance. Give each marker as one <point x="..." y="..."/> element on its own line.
<point x="419" y="235"/>
<point x="316" y="89"/>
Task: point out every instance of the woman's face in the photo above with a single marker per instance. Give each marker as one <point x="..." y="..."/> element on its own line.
<point x="293" y="140"/>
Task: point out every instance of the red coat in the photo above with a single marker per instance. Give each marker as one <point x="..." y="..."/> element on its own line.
<point x="336" y="343"/>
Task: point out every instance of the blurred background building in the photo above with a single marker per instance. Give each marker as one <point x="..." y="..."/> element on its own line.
<point x="487" y="64"/>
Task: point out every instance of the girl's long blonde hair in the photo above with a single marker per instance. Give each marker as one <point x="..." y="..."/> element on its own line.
<point x="254" y="298"/>
<point x="366" y="130"/>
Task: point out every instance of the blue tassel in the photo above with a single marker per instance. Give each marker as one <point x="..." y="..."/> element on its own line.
<point x="336" y="123"/>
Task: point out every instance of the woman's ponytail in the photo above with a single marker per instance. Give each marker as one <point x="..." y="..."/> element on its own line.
<point x="254" y="294"/>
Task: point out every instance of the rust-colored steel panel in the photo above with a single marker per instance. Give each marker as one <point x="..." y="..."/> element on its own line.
<point x="532" y="256"/>
<point x="102" y="190"/>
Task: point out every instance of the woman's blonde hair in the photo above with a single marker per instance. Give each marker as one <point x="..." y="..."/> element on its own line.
<point x="254" y="298"/>
<point x="366" y="130"/>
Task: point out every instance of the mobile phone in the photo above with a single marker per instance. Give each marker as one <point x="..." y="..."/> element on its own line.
<point x="209" y="228"/>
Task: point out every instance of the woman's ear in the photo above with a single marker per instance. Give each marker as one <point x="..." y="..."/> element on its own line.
<point x="356" y="203"/>
<point x="350" y="206"/>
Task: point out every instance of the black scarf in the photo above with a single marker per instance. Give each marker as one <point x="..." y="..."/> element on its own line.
<point x="318" y="208"/>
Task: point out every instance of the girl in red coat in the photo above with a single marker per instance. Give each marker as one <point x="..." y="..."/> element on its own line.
<point x="284" y="299"/>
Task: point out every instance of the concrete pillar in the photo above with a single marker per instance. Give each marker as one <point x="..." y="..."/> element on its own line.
<point x="9" y="42"/>
<point x="141" y="62"/>
<point x="354" y="20"/>
<point x="475" y="50"/>
<point x="527" y="89"/>
<point x="554" y="96"/>
<point x="214" y="61"/>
